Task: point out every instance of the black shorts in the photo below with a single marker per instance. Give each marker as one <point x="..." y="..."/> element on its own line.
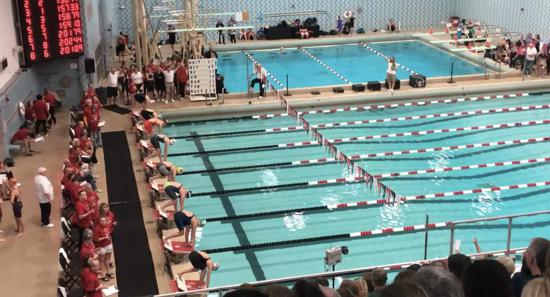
<point x="172" y="192"/>
<point x="155" y="141"/>
<point x="120" y="49"/>
<point x="171" y="38"/>
<point x="112" y="92"/>
<point x="181" y="220"/>
<point x="197" y="260"/>
<point x="147" y="114"/>
<point x="139" y="97"/>
<point x="17" y="209"/>
<point x="149" y="85"/>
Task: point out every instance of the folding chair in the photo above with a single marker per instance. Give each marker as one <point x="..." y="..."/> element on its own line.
<point x="69" y="275"/>
<point x="68" y="238"/>
<point x="61" y="292"/>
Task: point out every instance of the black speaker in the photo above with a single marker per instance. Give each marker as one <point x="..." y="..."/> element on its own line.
<point x="338" y="90"/>
<point x="417" y="81"/>
<point x="374" y="86"/>
<point x="397" y="84"/>
<point x="358" y="88"/>
<point x="89" y="65"/>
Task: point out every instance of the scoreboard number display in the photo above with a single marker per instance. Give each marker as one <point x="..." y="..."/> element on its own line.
<point x="50" y="29"/>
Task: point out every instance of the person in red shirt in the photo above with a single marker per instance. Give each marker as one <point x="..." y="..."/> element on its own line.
<point x="29" y="114"/>
<point x="182" y="76"/>
<point x="79" y="129"/>
<point x="92" y="117"/>
<point x="49" y="97"/>
<point x="42" y="113"/>
<point x="84" y="212"/>
<point x="89" y="278"/>
<point x="87" y="250"/>
<point x="23" y="137"/>
<point x="104" y="245"/>
<point x="104" y="211"/>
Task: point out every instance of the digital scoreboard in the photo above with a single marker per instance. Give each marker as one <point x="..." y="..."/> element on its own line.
<point x="50" y="29"/>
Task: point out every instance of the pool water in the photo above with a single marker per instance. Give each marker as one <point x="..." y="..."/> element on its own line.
<point x="354" y="62"/>
<point x="248" y="194"/>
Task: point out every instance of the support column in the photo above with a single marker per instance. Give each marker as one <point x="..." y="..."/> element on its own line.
<point x="137" y="36"/>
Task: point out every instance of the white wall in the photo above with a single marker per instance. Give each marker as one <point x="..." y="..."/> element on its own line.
<point x="93" y="29"/>
<point x="506" y="13"/>
<point x="8" y="42"/>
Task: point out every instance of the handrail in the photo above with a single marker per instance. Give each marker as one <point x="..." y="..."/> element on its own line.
<point x="390" y="267"/>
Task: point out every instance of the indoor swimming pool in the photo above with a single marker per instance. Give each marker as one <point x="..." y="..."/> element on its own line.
<point x="275" y="198"/>
<point x="339" y="64"/>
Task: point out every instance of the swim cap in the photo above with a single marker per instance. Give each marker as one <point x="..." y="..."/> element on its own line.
<point x="179" y="170"/>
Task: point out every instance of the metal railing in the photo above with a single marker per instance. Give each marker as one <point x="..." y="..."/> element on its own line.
<point x="392" y="267"/>
<point x="510" y="218"/>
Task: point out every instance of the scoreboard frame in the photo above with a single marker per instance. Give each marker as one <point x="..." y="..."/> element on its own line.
<point x="50" y="29"/>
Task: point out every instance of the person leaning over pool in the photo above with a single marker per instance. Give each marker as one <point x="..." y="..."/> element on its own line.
<point x="177" y="193"/>
<point x="201" y="261"/>
<point x="187" y="223"/>
<point x="156" y="139"/>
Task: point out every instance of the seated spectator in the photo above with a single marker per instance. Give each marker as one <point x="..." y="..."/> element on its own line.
<point x="539" y="287"/>
<point x="304" y="33"/>
<point x="250" y="35"/>
<point x="202" y="262"/>
<point x="403" y="289"/>
<point x="404" y="276"/>
<point x="437" y="282"/>
<point x="307" y="288"/>
<point x="89" y="278"/>
<point x="457" y="264"/>
<point x="277" y="290"/>
<point x="367" y="276"/>
<point x="391" y="27"/>
<point x="487" y="278"/>
<point x="361" y="286"/>
<point x="348" y="288"/>
<point x="379" y="279"/>
<point x="533" y="264"/>
<point x="23" y="137"/>
<point x="79" y="129"/>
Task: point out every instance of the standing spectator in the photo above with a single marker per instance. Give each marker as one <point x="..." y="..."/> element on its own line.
<point x="41" y="111"/>
<point x="17" y="205"/>
<point x="487" y="278"/>
<point x="159" y="84"/>
<point x="539" y="287"/>
<point x="231" y="32"/>
<point x="104" y="245"/>
<point x="171" y="36"/>
<point x="87" y="250"/>
<point x="183" y="76"/>
<point x="30" y="116"/>
<point x="458" y="263"/>
<point x="150" y="80"/>
<point x="390" y="74"/>
<point x="112" y="87"/>
<point x="92" y="117"/>
<point x="169" y="82"/>
<point x="339" y="25"/>
<point x="221" y="35"/>
<point x="23" y="137"/>
<point x="530" y="56"/>
<point x="137" y="78"/>
<point x="44" y="193"/>
<point x="123" y="80"/>
<point x="520" y="55"/>
<point x="121" y="43"/>
<point x="379" y="278"/>
<point x="50" y="100"/>
<point x="89" y="278"/>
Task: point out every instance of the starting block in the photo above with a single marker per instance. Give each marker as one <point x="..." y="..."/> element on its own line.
<point x="176" y="251"/>
<point x="190" y="285"/>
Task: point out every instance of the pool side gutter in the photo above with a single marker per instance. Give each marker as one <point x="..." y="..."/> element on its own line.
<point x="239" y="110"/>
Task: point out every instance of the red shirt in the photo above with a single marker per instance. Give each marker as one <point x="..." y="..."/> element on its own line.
<point x="93" y="200"/>
<point x="87" y="250"/>
<point x="74" y="188"/>
<point x="102" y="231"/>
<point x="181" y="73"/>
<point x="29" y="114"/>
<point x="91" y="117"/>
<point x="41" y="110"/>
<point x="74" y="155"/>
<point x="82" y="208"/>
<point x="148" y="127"/>
<point x="21" y="134"/>
<point x="90" y="282"/>
<point x="78" y="131"/>
<point x="49" y="98"/>
<point x="110" y="216"/>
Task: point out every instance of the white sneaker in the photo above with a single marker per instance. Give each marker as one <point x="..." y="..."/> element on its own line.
<point x="260" y="97"/>
<point x="50" y="225"/>
<point x="172" y="100"/>
<point x="165" y="101"/>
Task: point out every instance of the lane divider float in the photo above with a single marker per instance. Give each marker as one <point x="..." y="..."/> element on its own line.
<point x="347" y="81"/>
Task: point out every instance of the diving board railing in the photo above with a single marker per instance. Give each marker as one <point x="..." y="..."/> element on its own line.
<point x="391" y="267"/>
<point x="286" y="280"/>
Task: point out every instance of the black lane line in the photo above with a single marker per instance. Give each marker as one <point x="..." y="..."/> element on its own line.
<point x="219" y="134"/>
<point x="203" y="152"/>
<point x="237" y="168"/>
<point x="135" y="269"/>
<point x="185" y="123"/>
<point x="254" y="189"/>
<point x="230" y="211"/>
